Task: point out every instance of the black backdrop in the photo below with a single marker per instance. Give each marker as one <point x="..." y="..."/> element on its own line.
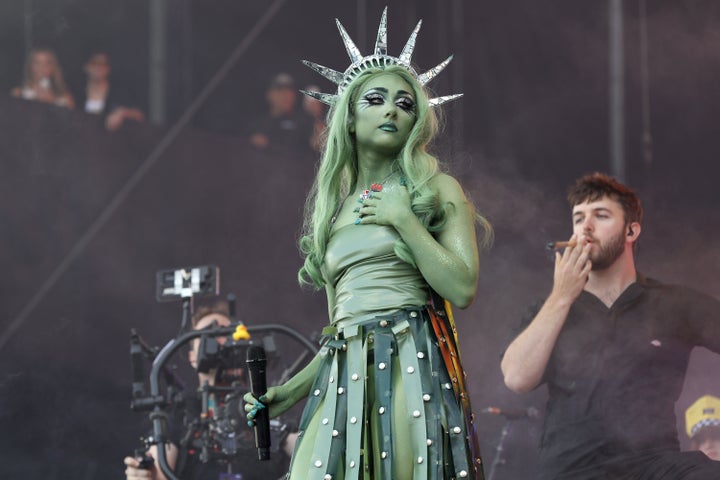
<point x="533" y="118"/>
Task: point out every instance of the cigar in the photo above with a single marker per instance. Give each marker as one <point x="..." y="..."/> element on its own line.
<point x="560" y="244"/>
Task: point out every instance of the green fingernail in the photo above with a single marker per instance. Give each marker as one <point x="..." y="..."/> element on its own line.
<point x="357" y="222"/>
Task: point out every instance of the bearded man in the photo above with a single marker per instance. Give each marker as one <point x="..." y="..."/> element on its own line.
<point x="613" y="348"/>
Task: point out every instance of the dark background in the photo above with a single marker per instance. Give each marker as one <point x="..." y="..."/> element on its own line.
<point x="78" y="268"/>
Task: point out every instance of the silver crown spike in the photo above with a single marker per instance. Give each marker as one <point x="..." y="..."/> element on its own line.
<point x="424" y="78"/>
<point x="434" y="102"/>
<point x="326" y="98"/>
<point x="332" y="75"/>
<point x="381" y="42"/>
<point x="407" y="51"/>
<point x="352" y="50"/>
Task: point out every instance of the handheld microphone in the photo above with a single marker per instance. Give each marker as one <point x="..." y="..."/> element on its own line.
<point x="530" y="412"/>
<point x="256" y="363"/>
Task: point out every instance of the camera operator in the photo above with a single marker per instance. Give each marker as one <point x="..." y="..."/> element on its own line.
<point x="183" y="424"/>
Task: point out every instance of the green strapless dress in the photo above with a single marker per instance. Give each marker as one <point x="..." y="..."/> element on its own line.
<point x="389" y="400"/>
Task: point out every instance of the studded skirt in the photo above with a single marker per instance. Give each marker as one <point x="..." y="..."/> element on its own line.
<point x="389" y="402"/>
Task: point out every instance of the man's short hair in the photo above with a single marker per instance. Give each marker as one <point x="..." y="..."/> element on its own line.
<point x="210" y="306"/>
<point x="595" y="186"/>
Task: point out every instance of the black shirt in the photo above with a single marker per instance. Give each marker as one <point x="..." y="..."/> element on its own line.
<point x="615" y="373"/>
<point x="288" y="133"/>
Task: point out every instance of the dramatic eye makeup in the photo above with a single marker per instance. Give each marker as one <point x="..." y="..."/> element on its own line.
<point x="406" y="103"/>
<point x="373" y="97"/>
<point x="376" y="96"/>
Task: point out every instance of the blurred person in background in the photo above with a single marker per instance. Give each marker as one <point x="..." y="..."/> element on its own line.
<point x="102" y="98"/>
<point x="702" y="424"/>
<point x="284" y="127"/>
<point x="43" y="80"/>
<point x="317" y="111"/>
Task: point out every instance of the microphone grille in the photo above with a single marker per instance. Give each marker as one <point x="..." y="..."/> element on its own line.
<point x="255" y="353"/>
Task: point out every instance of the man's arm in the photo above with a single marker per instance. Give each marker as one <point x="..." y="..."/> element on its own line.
<point x="525" y="360"/>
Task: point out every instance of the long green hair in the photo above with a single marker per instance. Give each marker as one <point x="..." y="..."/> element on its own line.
<point x="337" y="174"/>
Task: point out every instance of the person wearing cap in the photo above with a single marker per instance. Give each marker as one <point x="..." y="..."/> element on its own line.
<point x="702" y="424"/>
<point x="284" y="128"/>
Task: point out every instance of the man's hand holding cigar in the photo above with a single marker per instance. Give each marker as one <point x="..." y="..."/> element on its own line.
<point x="571" y="268"/>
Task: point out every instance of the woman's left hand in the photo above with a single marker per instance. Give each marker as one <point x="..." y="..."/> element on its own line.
<point x="388" y="207"/>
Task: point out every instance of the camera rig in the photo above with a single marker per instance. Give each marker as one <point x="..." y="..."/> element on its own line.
<point x="218" y="433"/>
<point x="215" y="432"/>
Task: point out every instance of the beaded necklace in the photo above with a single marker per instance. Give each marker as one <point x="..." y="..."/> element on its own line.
<point x="374" y="187"/>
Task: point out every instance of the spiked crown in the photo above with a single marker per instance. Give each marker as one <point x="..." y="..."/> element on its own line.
<point x="379" y="59"/>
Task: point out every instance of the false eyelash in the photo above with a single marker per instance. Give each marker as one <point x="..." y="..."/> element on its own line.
<point x="406" y="104"/>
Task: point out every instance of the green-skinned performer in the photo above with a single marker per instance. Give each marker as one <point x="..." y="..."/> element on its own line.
<point x="393" y="242"/>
